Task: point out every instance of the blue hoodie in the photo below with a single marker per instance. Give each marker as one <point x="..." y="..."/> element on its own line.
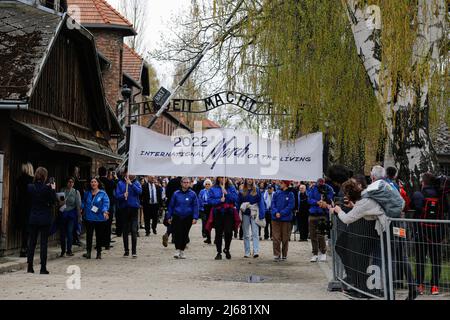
<point x="314" y="196"/>
<point x="134" y="191"/>
<point x="101" y="201"/>
<point x="253" y="199"/>
<point x="183" y="204"/>
<point x="283" y="202"/>
<point x="215" y="194"/>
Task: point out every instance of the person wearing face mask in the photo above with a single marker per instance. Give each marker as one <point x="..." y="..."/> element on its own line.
<point x="95" y="207"/>
<point x="128" y="192"/>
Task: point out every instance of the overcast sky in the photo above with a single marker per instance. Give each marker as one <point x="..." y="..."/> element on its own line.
<point x="161" y="15"/>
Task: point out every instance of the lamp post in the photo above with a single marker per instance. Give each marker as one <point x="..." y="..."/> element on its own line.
<point x="126" y="95"/>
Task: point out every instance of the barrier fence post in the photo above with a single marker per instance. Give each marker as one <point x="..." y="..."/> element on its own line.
<point x="334" y="284"/>
<point x="390" y="281"/>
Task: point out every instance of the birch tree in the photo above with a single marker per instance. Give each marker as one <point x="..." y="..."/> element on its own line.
<point x="301" y="55"/>
<point x="404" y="99"/>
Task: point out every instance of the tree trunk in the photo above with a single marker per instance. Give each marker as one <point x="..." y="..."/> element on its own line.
<point x="406" y="112"/>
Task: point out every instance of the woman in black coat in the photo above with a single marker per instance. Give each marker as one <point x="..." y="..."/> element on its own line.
<point x="42" y="198"/>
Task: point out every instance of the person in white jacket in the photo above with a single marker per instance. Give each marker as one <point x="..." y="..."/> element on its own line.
<point x="369" y="209"/>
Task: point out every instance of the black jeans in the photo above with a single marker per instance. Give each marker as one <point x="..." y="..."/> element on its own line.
<point x="119" y="223"/>
<point x="44" y="232"/>
<point x="66" y="233"/>
<point x="24" y="238"/>
<point x="130" y="224"/>
<point x="268" y="227"/>
<point x="302" y="224"/>
<point x="428" y="243"/>
<point x="100" y="229"/>
<point x="151" y="213"/>
<point x="181" y="228"/>
<point x="224" y="224"/>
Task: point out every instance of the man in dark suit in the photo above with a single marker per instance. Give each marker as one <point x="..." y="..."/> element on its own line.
<point x="151" y="201"/>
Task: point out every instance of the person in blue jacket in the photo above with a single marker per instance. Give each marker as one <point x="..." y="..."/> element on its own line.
<point x="183" y="212"/>
<point x="283" y="204"/>
<point x="95" y="207"/>
<point x="128" y="193"/>
<point x="223" y="197"/>
<point x="319" y="197"/>
<point x="249" y="196"/>
<point x="205" y="209"/>
<point x="41" y="197"/>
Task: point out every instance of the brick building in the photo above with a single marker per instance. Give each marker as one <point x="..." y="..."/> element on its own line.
<point x="121" y="65"/>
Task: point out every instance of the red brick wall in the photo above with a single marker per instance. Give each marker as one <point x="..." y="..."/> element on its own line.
<point x="163" y="125"/>
<point x="110" y="44"/>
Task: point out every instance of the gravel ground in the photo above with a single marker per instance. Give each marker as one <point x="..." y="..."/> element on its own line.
<point x="155" y="274"/>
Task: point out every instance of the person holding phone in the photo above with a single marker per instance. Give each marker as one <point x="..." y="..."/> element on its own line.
<point x="42" y="198"/>
<point x="95" y="208"/>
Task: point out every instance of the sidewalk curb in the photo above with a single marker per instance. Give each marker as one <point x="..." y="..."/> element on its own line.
<point x="17" y="263"/>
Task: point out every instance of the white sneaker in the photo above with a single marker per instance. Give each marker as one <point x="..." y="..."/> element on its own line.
<point x="314" y="258"/>
<point x="177" y="254"/>
<point x="182" y="256"/>
<point x="323" y="257"/>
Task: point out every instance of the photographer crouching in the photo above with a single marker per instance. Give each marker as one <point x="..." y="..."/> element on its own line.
<point x="319" y="198"/>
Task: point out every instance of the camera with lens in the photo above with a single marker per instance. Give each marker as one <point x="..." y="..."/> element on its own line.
<point x="323" y="193"/>
<point x="339" y="201"/>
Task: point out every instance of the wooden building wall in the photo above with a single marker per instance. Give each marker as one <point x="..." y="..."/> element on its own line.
<point x="61" y="88"/>
<point x="60" y="102"/>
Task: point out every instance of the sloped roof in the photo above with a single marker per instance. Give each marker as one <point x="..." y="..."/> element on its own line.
<point x="26" y="34"/>
<point x="442" y="142"/>
<point x="98" y="13"/>
<point x="206" y="123"/>
<point x="132" y="63"/>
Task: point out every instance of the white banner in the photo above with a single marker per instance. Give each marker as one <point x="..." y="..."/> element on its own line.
<point x="224" y="152"/>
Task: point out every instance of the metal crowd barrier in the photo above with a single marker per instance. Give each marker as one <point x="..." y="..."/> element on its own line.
<point x="420" y="255"/>
<point x="412" y="256"/>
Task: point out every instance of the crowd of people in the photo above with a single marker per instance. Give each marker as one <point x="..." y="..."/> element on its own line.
<point x="251" y="209"/>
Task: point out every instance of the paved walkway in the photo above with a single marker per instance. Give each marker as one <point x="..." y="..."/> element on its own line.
<point x="155" y="274"/>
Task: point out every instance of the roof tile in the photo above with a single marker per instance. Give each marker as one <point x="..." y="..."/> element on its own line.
<point x="132" y="63"/>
